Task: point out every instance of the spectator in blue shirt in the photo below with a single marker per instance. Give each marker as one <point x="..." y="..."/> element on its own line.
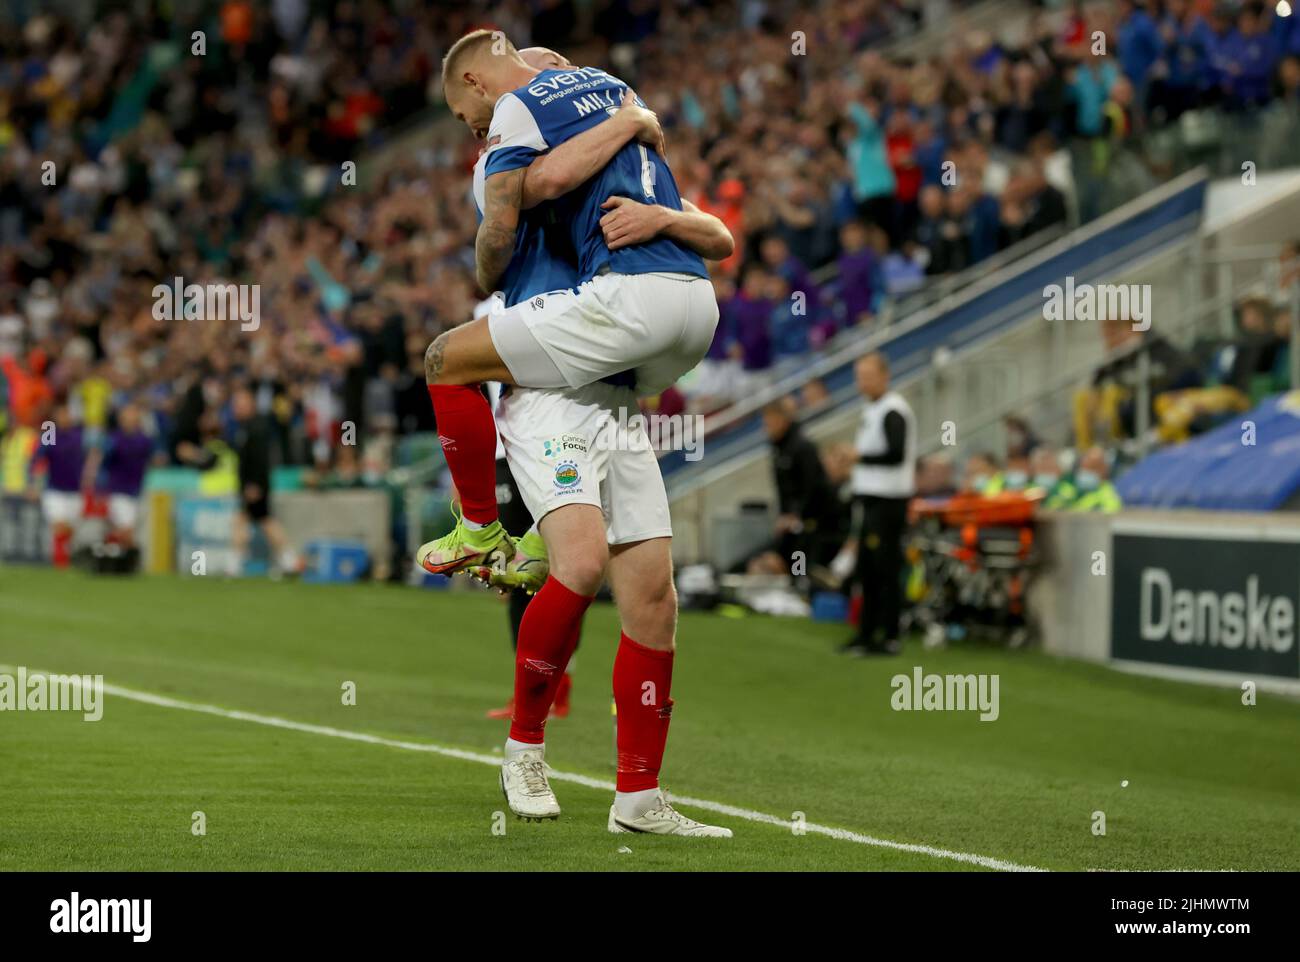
<point x="1183" y="74"/>
<point x="1218" y="38"/>
<point x="1251" y="56"/>
<point x="1089" y="89"/>
<point x="873" y="178"/>
<point x="1139" y="45"/>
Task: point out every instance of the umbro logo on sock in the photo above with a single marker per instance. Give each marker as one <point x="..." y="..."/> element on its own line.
<point x="542" y="667"/>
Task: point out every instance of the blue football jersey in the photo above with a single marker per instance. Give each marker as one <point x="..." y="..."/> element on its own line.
<point x="543" y="260"/>
<point x="558" y="105"/>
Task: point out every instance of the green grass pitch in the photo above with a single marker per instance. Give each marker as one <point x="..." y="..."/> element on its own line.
<point x="768" y="719"/>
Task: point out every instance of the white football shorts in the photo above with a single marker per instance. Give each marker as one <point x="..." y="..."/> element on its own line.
<point x="123" y="511"/>
<point x="658" y="325"/>
<point x="584" y="446"/>
<point x="62" y="507"/>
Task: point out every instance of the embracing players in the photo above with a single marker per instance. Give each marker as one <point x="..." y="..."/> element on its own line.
<point x="642" y="302"/>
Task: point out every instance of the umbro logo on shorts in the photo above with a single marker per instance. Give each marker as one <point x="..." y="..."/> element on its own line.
<point x="447" y="442"/>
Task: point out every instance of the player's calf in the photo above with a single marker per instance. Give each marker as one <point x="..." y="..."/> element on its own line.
<point x="642" y="576"/>
<point x="454" y="365"/>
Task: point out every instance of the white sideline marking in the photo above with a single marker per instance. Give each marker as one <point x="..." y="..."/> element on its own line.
<point x="843" y="835"/>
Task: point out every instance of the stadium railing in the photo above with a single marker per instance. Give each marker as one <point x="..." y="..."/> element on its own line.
<point x="958" y="327"/>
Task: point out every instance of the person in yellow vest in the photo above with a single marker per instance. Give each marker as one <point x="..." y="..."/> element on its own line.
<point x="1092" y="478"/>
<point x="94" y="393"/>
<point x="17" y="450"/>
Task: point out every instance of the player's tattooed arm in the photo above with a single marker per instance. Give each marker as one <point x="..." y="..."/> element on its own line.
<point x="580" y="158"/>
<point x="495" y="243"/>
<point x="629" y="222"/>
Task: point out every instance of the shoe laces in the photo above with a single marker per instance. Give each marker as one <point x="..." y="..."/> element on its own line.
<point x="666" y="810"/>
<point x="532" y="770"/>
<point x="455" y="537"/>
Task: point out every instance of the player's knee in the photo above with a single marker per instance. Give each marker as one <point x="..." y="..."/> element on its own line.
<point x="581" y="572"/>
<point x="440" y="361"/>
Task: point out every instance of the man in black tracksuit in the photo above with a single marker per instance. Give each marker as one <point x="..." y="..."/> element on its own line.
<point x="252" y="443"/>
<point x="812" y="517"/>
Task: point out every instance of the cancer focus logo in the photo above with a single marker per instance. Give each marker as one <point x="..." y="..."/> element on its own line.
<point x="566" y="474"/>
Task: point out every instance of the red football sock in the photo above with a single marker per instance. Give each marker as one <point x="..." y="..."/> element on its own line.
<point x="547" y="637"/>
<point x="469" y="442"/>
<point x="61" y="541"/>
<point x="643" y="680"/>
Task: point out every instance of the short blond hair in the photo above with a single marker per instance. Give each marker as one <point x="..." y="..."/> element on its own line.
<point x="471" y="46"/>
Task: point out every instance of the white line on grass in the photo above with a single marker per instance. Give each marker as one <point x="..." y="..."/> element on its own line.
<point x="843" y="835"/>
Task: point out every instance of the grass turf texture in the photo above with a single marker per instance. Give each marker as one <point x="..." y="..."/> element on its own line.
<point x="767" y="718"/>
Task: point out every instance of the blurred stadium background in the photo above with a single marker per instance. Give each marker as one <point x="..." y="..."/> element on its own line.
<point x="920" y="172"/>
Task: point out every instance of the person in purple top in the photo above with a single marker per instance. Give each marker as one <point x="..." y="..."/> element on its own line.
<point x="751" y="316"/>
<point x="859" y="274"/>
<point x="61" y="461"/>
<point x="776" y="256"/>
<point x="123" y="463"/>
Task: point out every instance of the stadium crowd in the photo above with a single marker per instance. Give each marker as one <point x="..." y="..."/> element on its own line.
<point x="129" y="158"/>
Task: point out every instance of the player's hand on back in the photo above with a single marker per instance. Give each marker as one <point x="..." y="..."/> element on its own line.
<point x="645" y="120"/>
<point x="629" y="222"/>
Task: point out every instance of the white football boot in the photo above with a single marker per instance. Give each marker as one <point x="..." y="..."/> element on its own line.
<point x="663" y="819"/>
<point x="525" y="786"/>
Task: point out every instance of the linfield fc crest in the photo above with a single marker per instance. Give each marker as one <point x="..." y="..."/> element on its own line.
<point x="566" y="474"/>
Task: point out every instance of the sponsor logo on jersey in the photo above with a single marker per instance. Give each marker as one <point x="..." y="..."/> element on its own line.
<point x="571" y="78"/>
<point x="554" y="447"/>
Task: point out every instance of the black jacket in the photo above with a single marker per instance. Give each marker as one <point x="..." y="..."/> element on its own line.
<point x="803" y="489"/>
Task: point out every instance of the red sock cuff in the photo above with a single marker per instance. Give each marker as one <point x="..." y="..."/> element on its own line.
<point x="641" y="649"/>
<point x="564" y="594"/>
<point x="454" y="395"/>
